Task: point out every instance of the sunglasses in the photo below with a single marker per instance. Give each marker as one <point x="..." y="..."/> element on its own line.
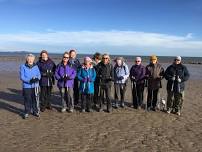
<point x="177" y="60"/>
<point x="65" y="57"/>
<point x="105" y="58"/>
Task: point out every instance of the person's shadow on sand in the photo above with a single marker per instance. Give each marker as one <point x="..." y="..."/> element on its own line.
<point x="9" y="99"/>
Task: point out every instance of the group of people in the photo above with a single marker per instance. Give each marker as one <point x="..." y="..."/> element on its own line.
<point x="91" y="82"/>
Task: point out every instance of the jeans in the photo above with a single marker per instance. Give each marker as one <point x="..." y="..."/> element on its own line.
<point x="67" y="97"/>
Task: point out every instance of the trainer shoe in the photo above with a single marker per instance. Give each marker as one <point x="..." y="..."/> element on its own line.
<point x="71" y="110"/>
<point x="25" y="116"/>
<point x="169" y="110"/>
<point x="63" y="110"/>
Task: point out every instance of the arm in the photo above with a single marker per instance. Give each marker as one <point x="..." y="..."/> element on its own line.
<point x="57" y="76"/>
<point x="93" y="75"/>
<point x="73" y="74"/>
<point x="186" y="75"/>
<point x="22" y="75"/>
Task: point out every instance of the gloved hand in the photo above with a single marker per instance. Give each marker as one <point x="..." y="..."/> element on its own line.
<point x="173" y="78"/>
<point x="109" y="79"/>
<point x="65" y="78"/>
<point x="49" y="74"/>
<point x="179" y="80"/>
<point x="34" y="80"/>
<point x="120" y="78"/>
<point x="89" y="79"/>
<point x="85" y="80"/>
<point x="133" y="78"/>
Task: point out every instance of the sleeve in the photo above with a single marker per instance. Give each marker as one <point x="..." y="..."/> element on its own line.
<point x="73" y="74"/>
<point x="93" y="75"/>
<point x="57" y="76"/>
<point x="22" y="75"/>
<point x="143" y="73"/>
<point x="167" y="74"/>
<point x="38" y="74"/>
<point x="80" y="78"/>
<point x="126" y="72"/>
<point x="162" y="73"/>
<point x="112" y="72"/>
<point x="186" y="75"/>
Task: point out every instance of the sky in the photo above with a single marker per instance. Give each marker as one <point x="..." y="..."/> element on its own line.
<point x="129" y="27"/>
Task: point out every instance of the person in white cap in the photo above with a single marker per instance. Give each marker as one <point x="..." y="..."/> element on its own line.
<point x="86" y="75"/>
<point x="176" y="74"/>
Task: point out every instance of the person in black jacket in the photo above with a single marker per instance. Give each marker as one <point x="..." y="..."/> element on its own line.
<point x="47" y="68"/>
<point x="176" y="74"/>
<point x="97" y="57"/>
<point x="105" y="75"/>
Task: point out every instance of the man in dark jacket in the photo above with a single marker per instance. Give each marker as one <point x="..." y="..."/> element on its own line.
<point x="154" y="75"/>
<point x="47" y="69"/>
<point x="176" y="74"/>
<point x="97" y="57"/>
<point x="105" y="74"/>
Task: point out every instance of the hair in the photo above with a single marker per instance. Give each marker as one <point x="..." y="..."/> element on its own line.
<point x="29" y="55"/>
<point x="105" y="54"/>
<point x="65" y="53"/>
<point x="97" y="55"/>
<point x="43" y="51"/>
<point x="72" y="50"/>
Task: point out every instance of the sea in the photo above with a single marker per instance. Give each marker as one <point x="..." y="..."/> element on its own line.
<point x="11" y="61"/>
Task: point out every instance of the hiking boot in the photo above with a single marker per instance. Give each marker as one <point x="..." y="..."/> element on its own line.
<point x="83" y="110"/>
<point x="42" y="109"/>
<point x="49" y="108"/>
<point x="25" y="116"/>
<point x="100" y="110"/>
<point x="122" y="104"/>
<point x="116" y="105"/>
<point x="71" y="110"/>
<point x="109" y="110"/>
<point x="36" y="114"/>
<point x="63" y="110"/>
<point x="89" y="110"/>
<point x="169" y="110"/>
<point x="178" y="113"/>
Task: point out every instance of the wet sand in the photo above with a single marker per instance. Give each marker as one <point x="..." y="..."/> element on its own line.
<point x="123" y="130"/>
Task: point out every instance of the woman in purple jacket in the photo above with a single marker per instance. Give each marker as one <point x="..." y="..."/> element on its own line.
<point x="65" y="76"/>
<point x="137" y="75"/>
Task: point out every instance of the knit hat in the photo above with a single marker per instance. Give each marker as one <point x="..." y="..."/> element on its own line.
<point x="88" y="59"/>
<point x="153" y="57"/>
<point x="178" y="58"/>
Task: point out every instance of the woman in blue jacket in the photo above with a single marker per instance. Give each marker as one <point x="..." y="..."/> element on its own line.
<point x="86" y="75"/>
<point x="30" y="76"/>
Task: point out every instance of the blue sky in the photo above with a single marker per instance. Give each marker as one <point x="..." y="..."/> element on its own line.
<point x="143" y="27"/>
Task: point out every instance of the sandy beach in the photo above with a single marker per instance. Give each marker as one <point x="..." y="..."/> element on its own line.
<point x="123" y="130"/>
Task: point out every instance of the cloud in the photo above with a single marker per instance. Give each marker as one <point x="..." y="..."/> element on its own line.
<point x="113" y="40"/>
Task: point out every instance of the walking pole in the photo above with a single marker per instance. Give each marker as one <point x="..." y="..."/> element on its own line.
<point x="36" y="93"/>
<point x="146" y="85"/>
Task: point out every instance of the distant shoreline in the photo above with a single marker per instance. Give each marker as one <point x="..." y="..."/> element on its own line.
<point x="19" y="56"/>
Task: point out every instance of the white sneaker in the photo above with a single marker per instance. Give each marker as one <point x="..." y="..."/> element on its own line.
<point x="26" y="116"/>
<point x="71" y="110"/>
<point x="169" y="110"/>
<point x="178" y="113"/>
<point x="63" y="110"/>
